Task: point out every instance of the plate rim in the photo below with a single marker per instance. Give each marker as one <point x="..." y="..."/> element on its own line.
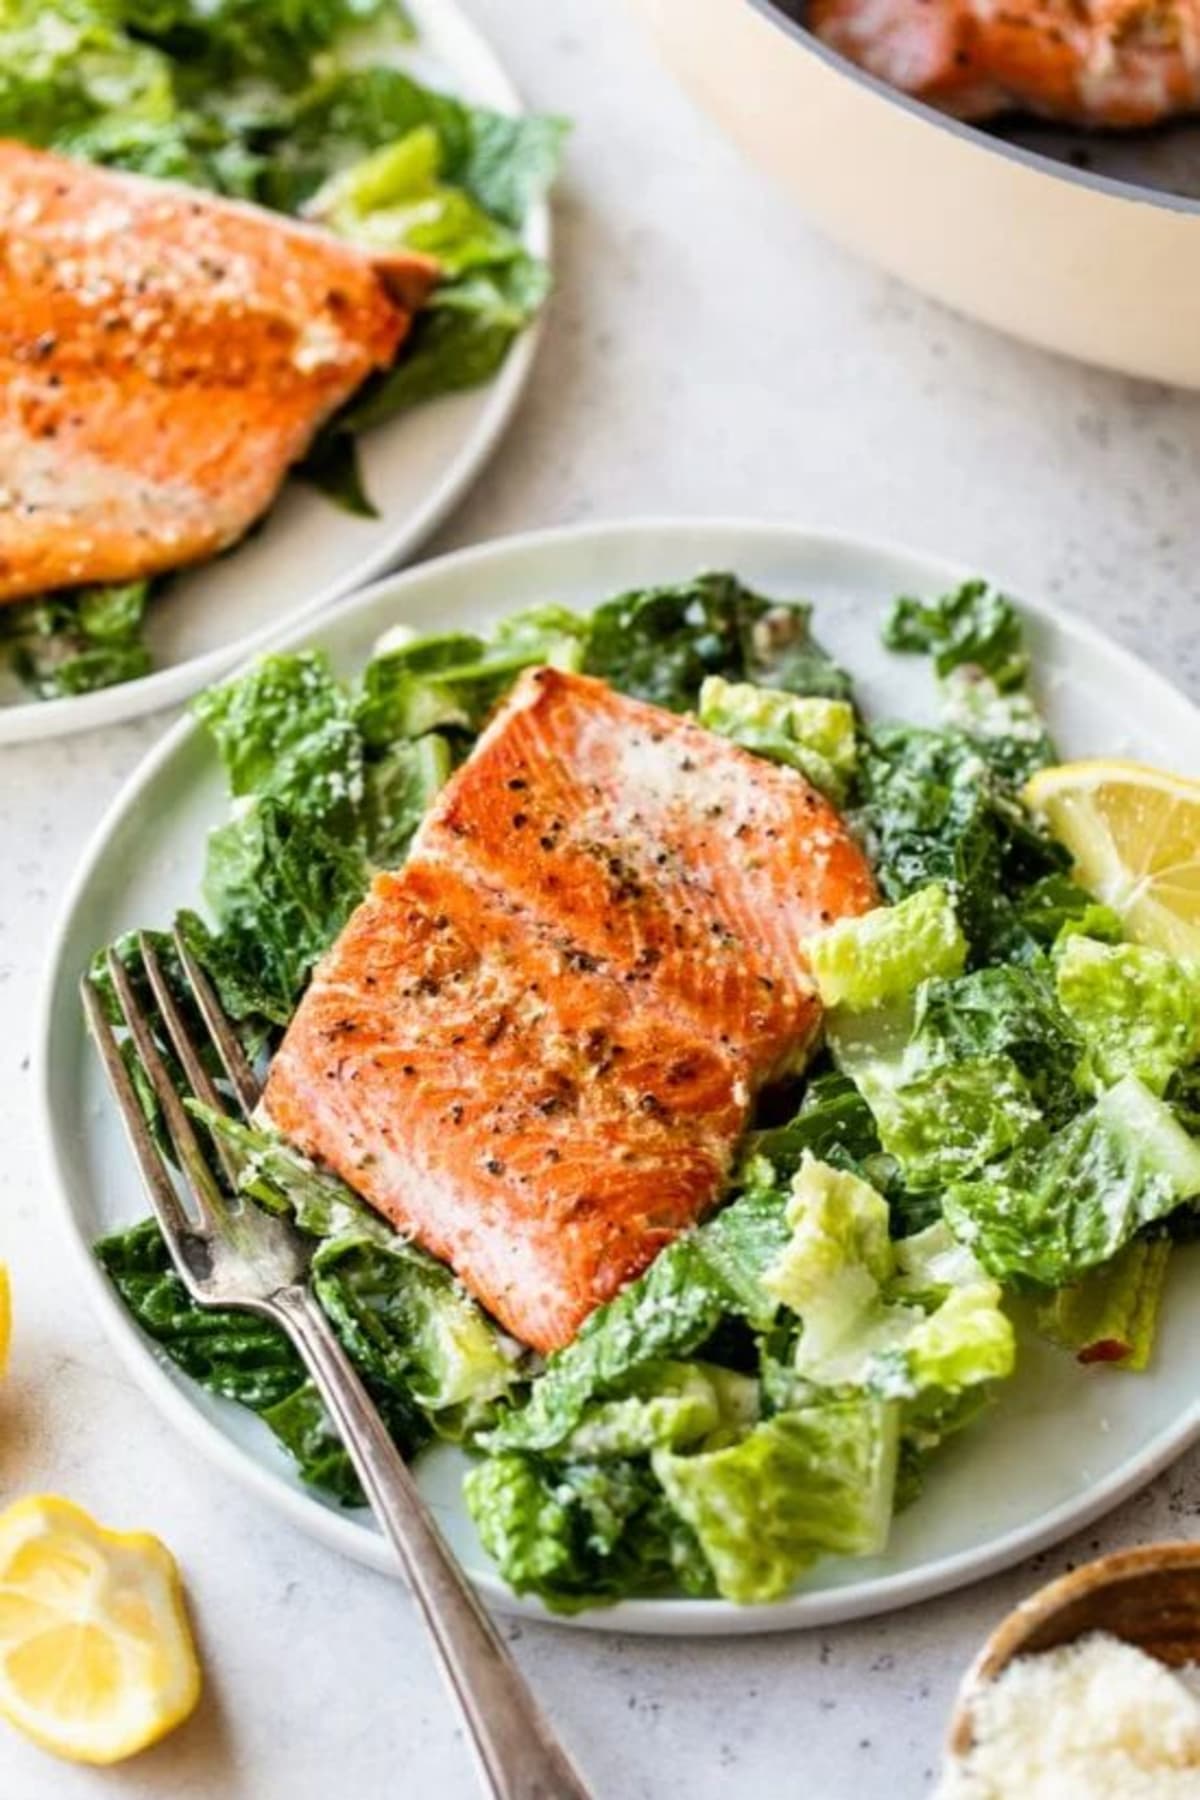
<point x="30" y="721"/>
<point x="346" y="1532"/>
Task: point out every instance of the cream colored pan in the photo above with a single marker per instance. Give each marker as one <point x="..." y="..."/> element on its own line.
<point x="1097" y="267"/>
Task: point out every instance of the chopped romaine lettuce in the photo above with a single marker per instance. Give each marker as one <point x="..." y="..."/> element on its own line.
<point x="962" y="1343"/>
<point x="932" y="808"/>
<point x="834" y="1123"/>
<point x="862" y="1325"/>
<point x="451" y="681"/>
<point x="400" y="785"/>
<point x="975" y="625"/>
<point x="1049" y="1214"/>
<point x="832" y="1271"/>
<point x="503" y="161"/>
<point x="1051" y="909"/>
<point x="284" y="732"/>
<point x="75" y="642"/>
<point x="1136" y="1010"/>
<point x="410" y="1327"/>
<point x="666" y="1405"/>
<point x="1110" y="1314"/>
<point x="395" y="199"/>
<point x="281" y="889"/>
<point x="808" y="1482"/>
<point x="882" y="955"/>
<point x="661" y="644"/>
<point x="667" y="1313"/>
<point x="1007" y="1010"/>
<point x="246" y="1359"/>
<point x="940" y="1121"/>
<point x="807" y="732"/>
<point x="1005" y="725"/>
<point x="581" y="1533"/>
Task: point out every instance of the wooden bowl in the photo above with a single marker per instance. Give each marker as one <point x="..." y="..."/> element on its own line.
<point x="1148" y="1597"/>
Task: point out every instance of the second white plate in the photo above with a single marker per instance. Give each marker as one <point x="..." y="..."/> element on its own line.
<point x="308" y="551"/>
<point x="1062" y="1444"/>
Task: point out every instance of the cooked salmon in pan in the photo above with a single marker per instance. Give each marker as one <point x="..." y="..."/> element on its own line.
<point x="536" y="1046"/>
<point x="165" y="357"/>
<point x="1109" y="63"/>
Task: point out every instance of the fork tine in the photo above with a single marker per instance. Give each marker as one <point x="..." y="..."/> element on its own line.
<point x="185" y="1049"/>
<point x="233" y="1057"/>
<point x="171" y="1217"/>
<point x="205" y="1193"/>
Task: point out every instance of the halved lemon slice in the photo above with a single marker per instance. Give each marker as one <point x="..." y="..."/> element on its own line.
<point x="96" y="1655"/>
<point x="1135" y="835"/>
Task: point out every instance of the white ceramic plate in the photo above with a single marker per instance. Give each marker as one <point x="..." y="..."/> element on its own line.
<point x="308" y="551"/>
<point x="1063" y="1443"/>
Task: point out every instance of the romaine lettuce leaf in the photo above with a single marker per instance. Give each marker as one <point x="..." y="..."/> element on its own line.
<point x="834" y="1123"/>
<point x="273" y="40"/>
<point x="866" y="1322"/>
<point x="1110" y="1314"/>
<point x="975" y="625"/>
<point x="409" y="1326"/>
<point x="1004" y="725"/>
<point x="1007" y="1010"/>
<point x="1050" y="910"/>
<point x="246" y="1359"/>
<point x="812" y="1481"/>
<point x="932" y="809"/>
<point x="1136" y="1010"/>
<point x="429" y="1355"/>
<point x="503" y="161"/>
<point x="1050" y="1213"/>
<point x="400" y="786"/>
<point x="881" y="956"/>
<point x="660" y="644"/>
<point x="64" y="65"/>
<point x="690" y="1288"/>
<point x="284" y="731"/>
<point x="395" y="199"/>
<point x="280" y="888"/>
<point x="807" y="732"/>
<point x="450" y="681"/>
<point x="76" y="642"/>
<point x="580" y="1533"/>
<point x="666" y="1405"/>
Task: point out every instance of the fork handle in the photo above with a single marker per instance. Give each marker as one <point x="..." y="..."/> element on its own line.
<point x="518" y="1756"/>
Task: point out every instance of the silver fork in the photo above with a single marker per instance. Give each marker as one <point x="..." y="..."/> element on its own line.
<point x="240" y="1256"/>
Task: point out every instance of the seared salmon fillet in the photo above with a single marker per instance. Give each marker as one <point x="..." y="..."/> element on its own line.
<point x="536" y="1046"/>
<point x="670" y="857"/>
<point x="165" y="356"/>
<point x="1111" y="63"/>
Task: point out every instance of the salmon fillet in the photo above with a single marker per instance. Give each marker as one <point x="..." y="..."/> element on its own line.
<point x="536" y="1046"/>
<point x="164" y="358"/>
<point x="1111" y="63"/>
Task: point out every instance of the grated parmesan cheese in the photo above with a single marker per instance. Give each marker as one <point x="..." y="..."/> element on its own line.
<point x="1095" y="1720"/>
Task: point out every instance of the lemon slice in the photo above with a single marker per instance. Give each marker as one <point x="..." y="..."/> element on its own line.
<point x="1135" y="835"/>
<point x="96" y="1655"/>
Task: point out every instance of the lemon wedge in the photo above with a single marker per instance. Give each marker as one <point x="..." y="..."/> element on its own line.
<point x="96" y="1655"/>
<point x="1135" y="835"/>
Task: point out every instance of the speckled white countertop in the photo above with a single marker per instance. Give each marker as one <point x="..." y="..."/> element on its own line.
<point x="706" y="352"/>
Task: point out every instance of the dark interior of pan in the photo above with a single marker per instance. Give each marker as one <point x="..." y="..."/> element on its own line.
<point x="1166" y="159"/>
